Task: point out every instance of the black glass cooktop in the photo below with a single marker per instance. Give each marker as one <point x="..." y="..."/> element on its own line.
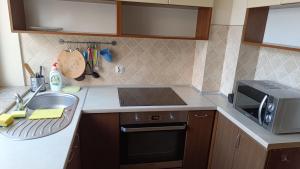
<point x="149" y="97"/>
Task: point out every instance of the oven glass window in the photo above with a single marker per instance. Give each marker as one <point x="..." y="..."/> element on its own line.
<point x="249" y="99"/>
<point x="152" y="146"/>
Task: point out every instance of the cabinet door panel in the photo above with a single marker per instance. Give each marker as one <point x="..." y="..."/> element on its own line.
<point x="198" y="138"/>
<point x="261" y="3"/>
<point x="224" y="144"/>
<point x="99" y="141"/>
<point x="249" y="154"/>
<point x="284" y="159"/>
<point x="289" y="1"/>
<point x="149" y="1"/>
<point x="203" y="3"/>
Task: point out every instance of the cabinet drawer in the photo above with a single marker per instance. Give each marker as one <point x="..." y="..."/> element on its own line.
<point x="149" y="1"/>
<point x="284" y="159"/>
<point x="203" y="3"/>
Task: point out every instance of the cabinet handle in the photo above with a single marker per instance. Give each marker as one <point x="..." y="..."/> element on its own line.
<point x="237" y="141"/>
<point x="200" y="116"/>
<point x="284" y="158"/>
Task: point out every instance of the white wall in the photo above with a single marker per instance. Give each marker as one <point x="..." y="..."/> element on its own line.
<point x="11" y="72"/>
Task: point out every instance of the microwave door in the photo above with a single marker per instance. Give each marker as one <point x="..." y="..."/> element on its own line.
<point x="250" y="102"/>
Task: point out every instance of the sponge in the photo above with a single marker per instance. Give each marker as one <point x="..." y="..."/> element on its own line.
<point x="6" y="120"/>
<point x="18" y="114"/>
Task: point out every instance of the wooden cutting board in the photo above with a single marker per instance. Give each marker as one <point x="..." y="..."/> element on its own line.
<point x="71" y="63"/>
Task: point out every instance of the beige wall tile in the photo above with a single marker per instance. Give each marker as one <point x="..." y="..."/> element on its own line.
<point x="147" y="61"/>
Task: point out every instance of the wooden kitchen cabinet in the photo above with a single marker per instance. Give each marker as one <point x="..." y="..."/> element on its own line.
<point x="224" y="144"/>
<point x="149" y="1"/>
<point x="284" y="159"/>
<point x="233" y="149"/>
<point x="99" y="141"/>
<point x="262" y="3"/>
<point x="202" y="3"/>
<point x="249" y="154"/>
<point x="74" y="161"/>
<point x="198" y="139"/>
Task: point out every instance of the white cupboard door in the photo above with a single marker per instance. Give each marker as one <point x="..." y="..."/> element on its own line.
<point x="261" y="3"/>
<point x="289" y="1"/>
<point x="149" y="1"/>
<point x="202" y="3"/>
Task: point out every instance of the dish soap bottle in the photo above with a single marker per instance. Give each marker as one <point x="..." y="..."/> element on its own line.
<point x="55" y="79"/>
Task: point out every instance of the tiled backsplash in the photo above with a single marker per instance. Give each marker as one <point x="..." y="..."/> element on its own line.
<point x="279" y="65"/>
<point x="146" y="61"/>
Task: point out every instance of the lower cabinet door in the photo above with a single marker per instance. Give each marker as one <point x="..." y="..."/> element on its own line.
<point x="224" y="145"/>
<point x="99" y="139"/>
<point x="249" y="154"/>
<point x="198" y="138"/>
<point x="284" y="159"/>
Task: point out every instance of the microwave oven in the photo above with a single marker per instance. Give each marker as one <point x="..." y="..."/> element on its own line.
<point x="274" y="106"/>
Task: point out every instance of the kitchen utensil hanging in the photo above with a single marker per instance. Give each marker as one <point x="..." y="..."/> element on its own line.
<point x="71" y="63"/>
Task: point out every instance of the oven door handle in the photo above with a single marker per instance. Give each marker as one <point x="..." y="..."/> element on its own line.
<point x="260" y="109"/>
<point x="147" y="129"/>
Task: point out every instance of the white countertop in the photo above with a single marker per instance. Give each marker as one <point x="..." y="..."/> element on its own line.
<point x="52" y="152"/>
<point x="106" y="100"/>
<point x="267" y="139"/>
<point x="49" y="152"/>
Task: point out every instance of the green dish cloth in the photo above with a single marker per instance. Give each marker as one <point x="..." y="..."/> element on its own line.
<point x="71" y="89"/>
<point x="46" y="114"/>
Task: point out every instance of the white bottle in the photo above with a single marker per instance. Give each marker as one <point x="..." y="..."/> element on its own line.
<point x="55" y="79"/>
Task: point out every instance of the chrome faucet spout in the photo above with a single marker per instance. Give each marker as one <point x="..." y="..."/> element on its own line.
<point x="20" y="102"/>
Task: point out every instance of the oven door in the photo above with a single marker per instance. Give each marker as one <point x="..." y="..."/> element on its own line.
<point x="251" y="102"/>
<point x="152" y="145"/>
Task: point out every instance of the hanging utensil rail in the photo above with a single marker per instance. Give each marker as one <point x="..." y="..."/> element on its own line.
<point x="61" y="41"/>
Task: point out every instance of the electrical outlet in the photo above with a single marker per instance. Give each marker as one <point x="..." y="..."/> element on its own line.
<point x="120" y="69"/>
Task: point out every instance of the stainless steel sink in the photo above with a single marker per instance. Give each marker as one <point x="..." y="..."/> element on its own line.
<point x="24" y="129"/>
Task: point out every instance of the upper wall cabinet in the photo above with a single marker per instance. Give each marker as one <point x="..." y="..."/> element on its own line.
<point x="276" y="27"/>
<point x="261" y="3"/>
<point x="289" y="1"/>
<point x="149" y="1"/>
<point x="204" y="3"/>
<point x="63" y="17"/>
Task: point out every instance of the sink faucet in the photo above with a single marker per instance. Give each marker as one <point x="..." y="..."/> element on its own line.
<point x="20" y="102"/>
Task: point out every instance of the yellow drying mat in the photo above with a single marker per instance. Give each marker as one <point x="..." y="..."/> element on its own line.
<point x="46" y="114"/>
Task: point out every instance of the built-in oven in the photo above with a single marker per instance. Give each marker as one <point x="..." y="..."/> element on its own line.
<point x="152" y="140"/>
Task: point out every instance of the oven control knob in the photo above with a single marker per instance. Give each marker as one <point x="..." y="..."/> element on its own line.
<point x="268" y="118"/>
<point x="271" y="107"/>
<point x="136" y="117"/>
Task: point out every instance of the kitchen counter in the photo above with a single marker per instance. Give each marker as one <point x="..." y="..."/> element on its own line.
<point x="52" y="152"/>
<point x="49" y="152"/>
<point x="106" y="100"/>
<point x="267" y="139"/>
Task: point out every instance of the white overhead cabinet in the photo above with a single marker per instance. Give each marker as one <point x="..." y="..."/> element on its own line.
<point x="202" y="3"/>
<point x="289" y="1"/>
<point x="261" y="3"/>
<point x="149" y="1"/>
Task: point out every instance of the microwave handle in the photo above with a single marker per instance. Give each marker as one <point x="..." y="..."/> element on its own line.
<point x="260" y="109"/>
<point x="146" y="129"/>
